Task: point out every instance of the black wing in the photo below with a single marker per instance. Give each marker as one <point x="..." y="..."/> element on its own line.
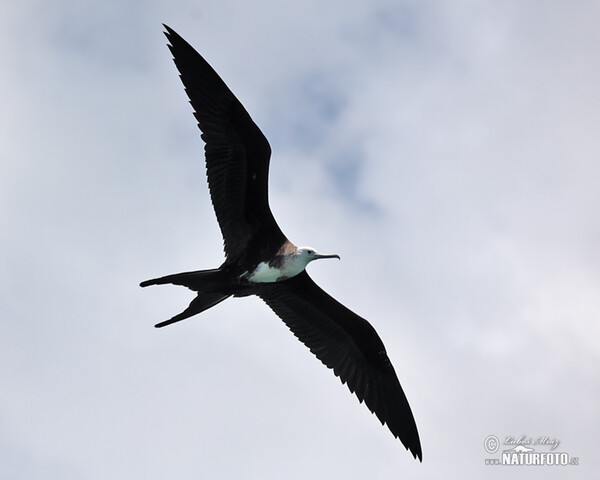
<point x="237" y="154"/>
<point x="350" y="346"/>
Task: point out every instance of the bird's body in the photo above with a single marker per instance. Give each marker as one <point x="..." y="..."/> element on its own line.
<point x="288" y="263"/>
<point x="261" y="261"/>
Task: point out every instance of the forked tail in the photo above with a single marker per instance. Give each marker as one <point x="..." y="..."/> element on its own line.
<point x="211" y="286"/>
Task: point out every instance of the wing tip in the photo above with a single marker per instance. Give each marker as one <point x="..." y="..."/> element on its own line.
<point x="416" y="452"/>
<point x="169" y="30"/>
<point x="173" y="37"/>
<point x="413" y="445"/>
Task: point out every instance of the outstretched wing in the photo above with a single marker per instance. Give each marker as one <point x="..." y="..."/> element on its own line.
<point x="237" y="153"/>
<point x="348" y="344"/>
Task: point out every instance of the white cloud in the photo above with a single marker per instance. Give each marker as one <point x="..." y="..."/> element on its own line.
<point x="447" y="151"/>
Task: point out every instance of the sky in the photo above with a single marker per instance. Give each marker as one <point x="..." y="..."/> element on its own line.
<point x="448" y="151"/>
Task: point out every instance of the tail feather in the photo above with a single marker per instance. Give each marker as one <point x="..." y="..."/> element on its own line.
<point x="211" y="286"/>
<point x="198" y="280"/>
<point x="202" y="302"/>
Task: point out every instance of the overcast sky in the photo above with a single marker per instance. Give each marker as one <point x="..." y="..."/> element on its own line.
<point x="448" y="151"/>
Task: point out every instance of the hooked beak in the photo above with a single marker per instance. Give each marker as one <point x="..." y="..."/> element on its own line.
<point x="335" y="255"/>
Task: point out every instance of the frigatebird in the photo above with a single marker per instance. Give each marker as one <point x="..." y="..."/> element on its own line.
<point x="260" y="260"/>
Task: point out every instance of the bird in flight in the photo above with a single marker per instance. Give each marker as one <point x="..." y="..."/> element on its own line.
<point x="260" y="260"/>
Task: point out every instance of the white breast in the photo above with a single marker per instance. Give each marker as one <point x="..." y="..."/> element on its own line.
<point x="264" y="273"/>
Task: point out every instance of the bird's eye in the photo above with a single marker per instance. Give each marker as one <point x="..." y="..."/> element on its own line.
<point x="311" y="252"/>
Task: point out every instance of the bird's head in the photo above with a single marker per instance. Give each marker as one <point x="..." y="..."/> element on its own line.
<point x="307" y="254"/>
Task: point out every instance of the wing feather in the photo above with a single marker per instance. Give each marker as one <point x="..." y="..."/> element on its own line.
<point x="237" y="153"/>
<point x="348" y="344"/>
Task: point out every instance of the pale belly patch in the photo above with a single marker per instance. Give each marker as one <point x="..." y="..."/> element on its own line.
<point x="265" y="273"/>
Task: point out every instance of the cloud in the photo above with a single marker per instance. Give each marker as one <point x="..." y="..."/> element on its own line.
<point x="448" y="152"/>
